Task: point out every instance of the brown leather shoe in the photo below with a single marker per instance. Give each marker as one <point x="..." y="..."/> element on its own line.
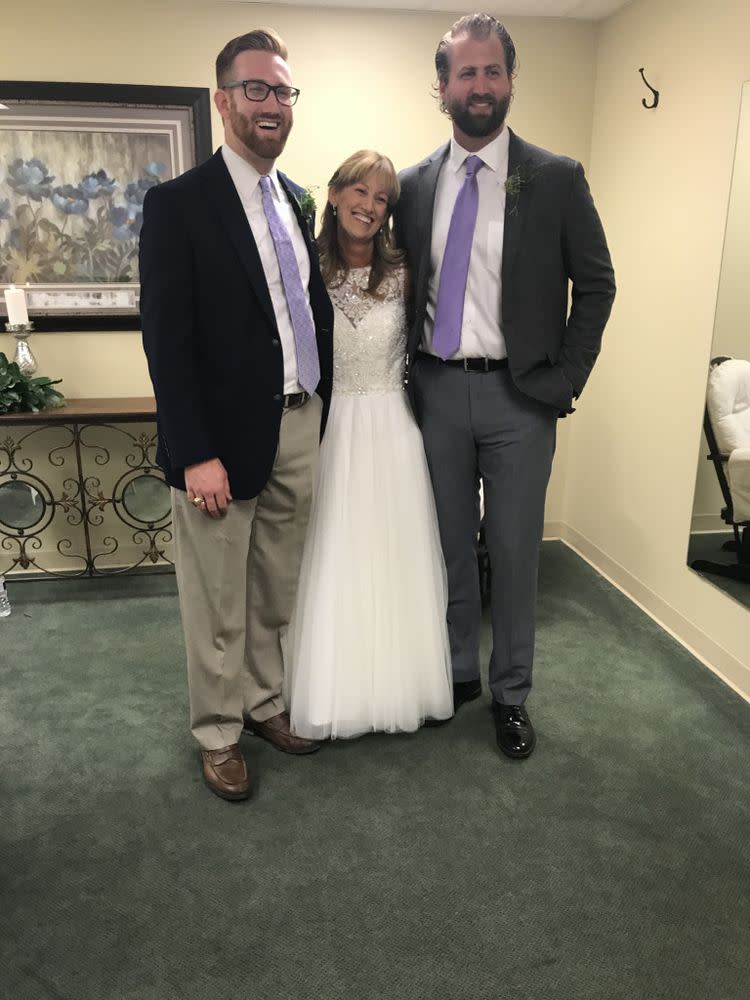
<point x="276" y="730"/>
<point x="225" y="773"/>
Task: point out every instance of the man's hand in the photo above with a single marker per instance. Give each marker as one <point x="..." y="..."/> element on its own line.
<point x="209" y="481"/>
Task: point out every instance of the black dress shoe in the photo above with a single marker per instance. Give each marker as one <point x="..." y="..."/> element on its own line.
<point x="515" y="734"/>
<point x="463" y="691"/>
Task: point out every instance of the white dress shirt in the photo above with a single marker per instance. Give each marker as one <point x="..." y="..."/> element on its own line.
<point x="247" y="181"/>
<point x="481" y="332"/>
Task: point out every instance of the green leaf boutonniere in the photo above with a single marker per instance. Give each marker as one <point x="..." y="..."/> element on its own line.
<point x="517" y="182"/>
<point x="306" y="202"/>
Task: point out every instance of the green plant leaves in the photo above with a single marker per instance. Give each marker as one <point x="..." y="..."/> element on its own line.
<point x="20" y="393"/>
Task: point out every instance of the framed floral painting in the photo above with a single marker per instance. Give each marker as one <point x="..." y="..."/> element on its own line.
<point x="76" y="160"/>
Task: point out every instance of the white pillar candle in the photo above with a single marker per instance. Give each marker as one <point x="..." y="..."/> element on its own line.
<point x="15" y="301"/>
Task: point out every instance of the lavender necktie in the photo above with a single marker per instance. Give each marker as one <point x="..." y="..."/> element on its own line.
<point x="449" y="309"/>
<point x="308" y="366"/>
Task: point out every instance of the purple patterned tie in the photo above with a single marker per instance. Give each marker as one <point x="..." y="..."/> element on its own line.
<point x="449" y="309"/>
<point x="308" y="366"/>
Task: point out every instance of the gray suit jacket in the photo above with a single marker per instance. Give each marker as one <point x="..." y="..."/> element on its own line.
<point x="553" y="235"/>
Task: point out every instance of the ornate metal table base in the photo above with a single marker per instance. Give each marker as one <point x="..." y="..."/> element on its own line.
<point x="95" y="504"/>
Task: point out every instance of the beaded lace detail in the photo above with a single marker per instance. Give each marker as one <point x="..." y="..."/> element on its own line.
<point x="369" y="334"/>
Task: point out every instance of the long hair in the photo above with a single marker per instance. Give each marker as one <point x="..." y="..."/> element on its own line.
<point x="385" y="256"/>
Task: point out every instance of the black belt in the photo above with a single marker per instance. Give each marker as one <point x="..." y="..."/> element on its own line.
<point x="468" y="364"/>
<point x="295" y="399"/>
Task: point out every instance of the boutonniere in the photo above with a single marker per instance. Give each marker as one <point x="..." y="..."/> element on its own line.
<point x="517" y="182"/>
<point x="306" y="202"/>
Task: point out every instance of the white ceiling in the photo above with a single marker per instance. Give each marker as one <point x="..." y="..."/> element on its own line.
<point x="593" y="10"/>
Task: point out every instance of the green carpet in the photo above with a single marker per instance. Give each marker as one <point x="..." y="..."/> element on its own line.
<point x="612" y="864"/>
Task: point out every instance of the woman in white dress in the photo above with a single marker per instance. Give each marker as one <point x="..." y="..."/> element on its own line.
<point x="367" y="648"/>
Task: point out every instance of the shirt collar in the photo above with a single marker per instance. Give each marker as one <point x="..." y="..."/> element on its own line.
<point x="494" y="155"/>
<point x="246" y="178"/>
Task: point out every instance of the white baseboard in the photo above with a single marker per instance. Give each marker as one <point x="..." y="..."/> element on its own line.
<point x="553" y="531"/>
<point x="719" y="661"/>
<point x="707" y="522"/>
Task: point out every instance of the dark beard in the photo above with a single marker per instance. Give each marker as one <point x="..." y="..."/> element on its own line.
<point x="478" y="126"/>
<point x="266" y="149"/>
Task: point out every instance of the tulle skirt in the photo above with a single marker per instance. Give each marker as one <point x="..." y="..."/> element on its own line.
<point x="367" y="648"/>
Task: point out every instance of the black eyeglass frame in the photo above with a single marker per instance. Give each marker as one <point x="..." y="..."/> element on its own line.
<point x="293" y="91"/>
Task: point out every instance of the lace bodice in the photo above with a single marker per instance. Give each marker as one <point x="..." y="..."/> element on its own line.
<point x="369" y="334"/>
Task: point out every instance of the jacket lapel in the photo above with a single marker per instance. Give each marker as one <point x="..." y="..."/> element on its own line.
<point x="428" y="178"/>
<point x="519" y="165"/>
<point x="426" y="187"/>
<point x="318" y="295"/>
<point x="223" y="194"/>
<point x="302" y="221"/>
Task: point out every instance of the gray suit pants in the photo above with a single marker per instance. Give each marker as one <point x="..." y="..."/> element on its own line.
<point x="479" y="425"/>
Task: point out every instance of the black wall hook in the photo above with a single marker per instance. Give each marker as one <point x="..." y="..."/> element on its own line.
<point x="654" y="92"/>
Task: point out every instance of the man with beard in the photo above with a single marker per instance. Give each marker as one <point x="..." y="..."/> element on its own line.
<point x="494" y="229"/>
<point x="237" y="329"/>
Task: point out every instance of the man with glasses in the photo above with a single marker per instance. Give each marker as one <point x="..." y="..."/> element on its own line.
<point x="237" y="329"/>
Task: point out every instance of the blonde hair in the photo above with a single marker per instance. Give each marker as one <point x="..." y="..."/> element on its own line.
<point x="385" y="256"/>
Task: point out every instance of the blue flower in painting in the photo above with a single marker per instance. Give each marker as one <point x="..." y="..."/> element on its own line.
<point x="119" y="220"/>
<point x="98" y="184"/>
<point x="136" y="222"/>
<point x="70" y="199"/>
<point x="136" y="191"/>
<point x="155" y="169"/>
<point x="4" y="209"/>
<point x="30" y="178"/>
<point x="126" y="222"/>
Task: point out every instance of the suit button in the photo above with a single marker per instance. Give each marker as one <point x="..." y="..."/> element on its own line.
<point x="277" y="398"/>
<point x="276" y="342"/>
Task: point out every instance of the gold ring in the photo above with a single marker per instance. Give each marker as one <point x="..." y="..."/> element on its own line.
<point x="198" y="501"/>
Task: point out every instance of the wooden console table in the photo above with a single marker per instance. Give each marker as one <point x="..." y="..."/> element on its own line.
<point x="66" y="510"/>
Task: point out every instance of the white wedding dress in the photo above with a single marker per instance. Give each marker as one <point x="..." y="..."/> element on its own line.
<point x="367" y="648"/>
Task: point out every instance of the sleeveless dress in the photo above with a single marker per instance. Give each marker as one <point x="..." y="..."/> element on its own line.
<point x="367" y="648"/>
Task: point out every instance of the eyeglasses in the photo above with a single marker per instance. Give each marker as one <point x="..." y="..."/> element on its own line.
<point x="257" y="90"/>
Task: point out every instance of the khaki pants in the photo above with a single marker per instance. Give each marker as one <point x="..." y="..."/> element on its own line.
<point x="237" y="581"/>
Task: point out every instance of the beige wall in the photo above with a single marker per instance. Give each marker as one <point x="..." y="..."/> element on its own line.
<point x="662" y="180"/>
<point x="349" y="100"/>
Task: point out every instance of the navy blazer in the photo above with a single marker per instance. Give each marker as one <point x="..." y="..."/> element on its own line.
<point x="552" y="236"/>
<point x="209" y="330"/>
